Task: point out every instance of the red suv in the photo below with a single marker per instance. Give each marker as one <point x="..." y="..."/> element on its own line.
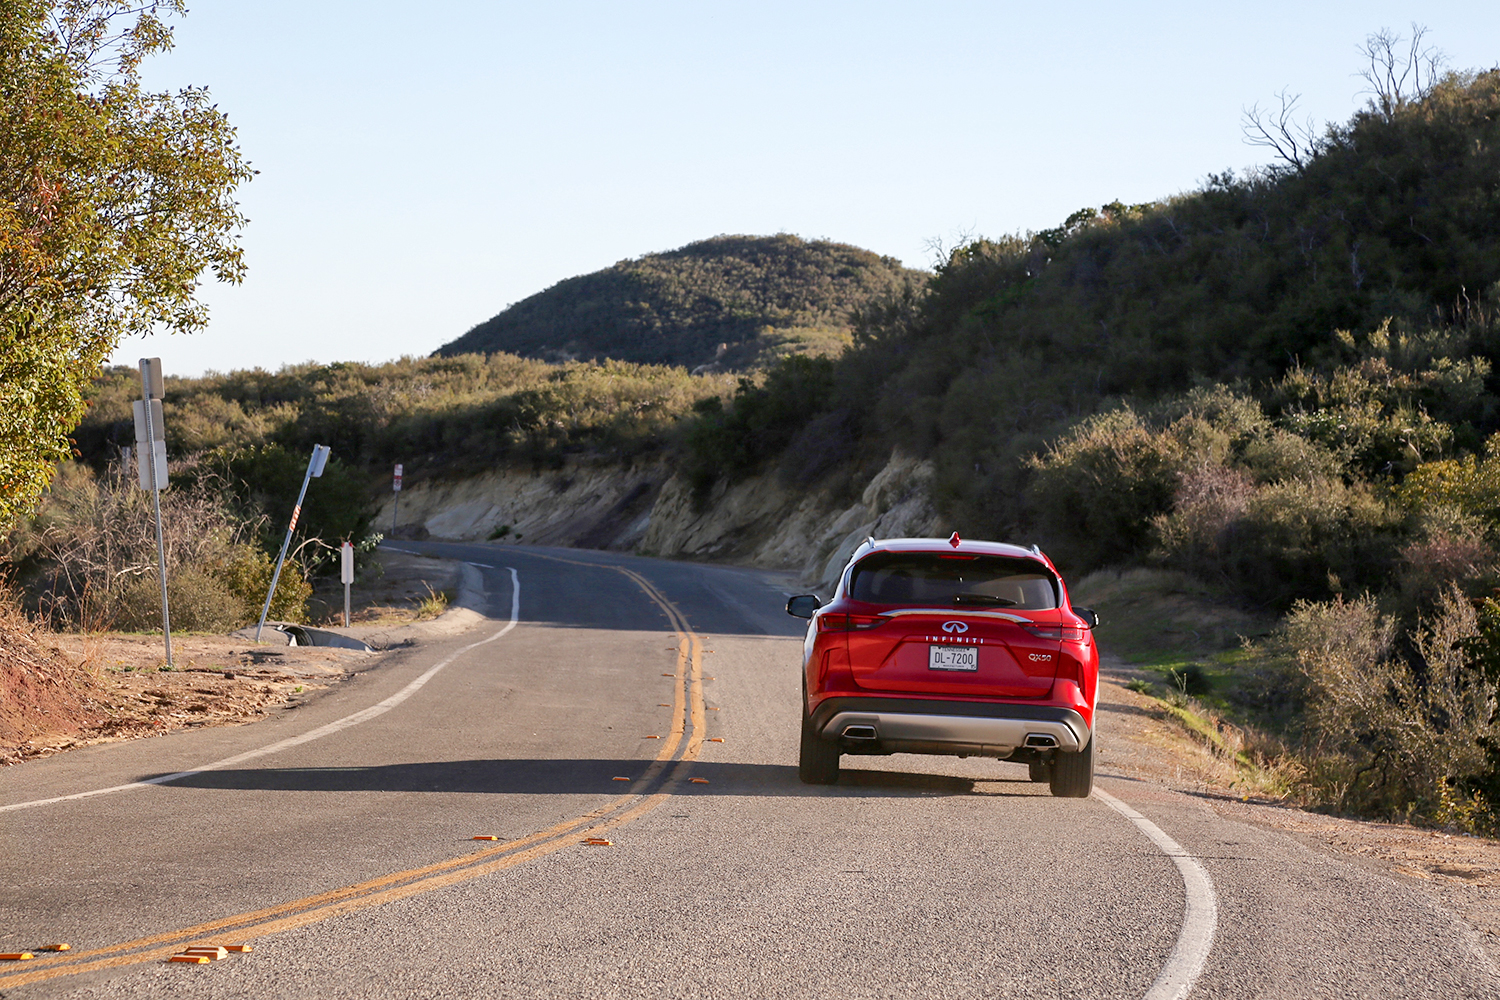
<point x="935" y="646"/>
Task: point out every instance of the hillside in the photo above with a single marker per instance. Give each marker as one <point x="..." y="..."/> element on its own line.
<point x="1395" y="216"/>
<point x="761" y="297"/>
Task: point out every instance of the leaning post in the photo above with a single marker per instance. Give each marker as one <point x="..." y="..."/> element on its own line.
<point x="314" y="469"/>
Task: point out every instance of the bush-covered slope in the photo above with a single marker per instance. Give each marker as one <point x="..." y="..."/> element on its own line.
<point x="1395" y="216"/>
<point x="759" y="296"/>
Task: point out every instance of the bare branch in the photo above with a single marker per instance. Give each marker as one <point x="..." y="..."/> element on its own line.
<point x="1278" y="130"/>
<point x="1399" y="75"/>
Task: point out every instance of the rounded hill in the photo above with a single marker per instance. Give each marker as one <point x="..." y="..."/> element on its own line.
<point x="729" y="301"/>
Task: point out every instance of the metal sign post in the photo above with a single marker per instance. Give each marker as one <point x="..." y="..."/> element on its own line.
<point x="314" y="468"/>
<point x="346" y="574"/>
<point x="396" y="507"/>
<point x="151" y="451"/>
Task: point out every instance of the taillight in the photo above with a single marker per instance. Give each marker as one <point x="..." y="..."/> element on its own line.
<point x="1066" y="633"/>
<point x="847" y="623"/>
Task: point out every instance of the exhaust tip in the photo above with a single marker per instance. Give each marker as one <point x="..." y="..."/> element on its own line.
<point x="1041" y="741"/>
<point x="860" y="732"/>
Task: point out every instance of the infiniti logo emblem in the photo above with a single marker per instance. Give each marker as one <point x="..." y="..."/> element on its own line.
<point x="951" y="627"/>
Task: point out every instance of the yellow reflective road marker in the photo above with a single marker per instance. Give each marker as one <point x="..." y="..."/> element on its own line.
<point x="485" y="837"/>
<point x="190" y="959"/>
<point x="55" y="947"/>
<point x="16" y="956"/>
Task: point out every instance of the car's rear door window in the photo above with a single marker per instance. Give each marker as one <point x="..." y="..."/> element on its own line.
<point x="954" y="580"/>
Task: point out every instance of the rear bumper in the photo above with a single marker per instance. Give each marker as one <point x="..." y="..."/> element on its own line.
<point x="917" y="725"/>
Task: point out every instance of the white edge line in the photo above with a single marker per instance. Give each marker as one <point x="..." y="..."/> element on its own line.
<point x="1201" y="912"/>
<point x="336" y="726"/>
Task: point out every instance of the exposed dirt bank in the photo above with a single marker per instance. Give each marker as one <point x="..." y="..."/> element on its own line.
<point x="759" y="522"/>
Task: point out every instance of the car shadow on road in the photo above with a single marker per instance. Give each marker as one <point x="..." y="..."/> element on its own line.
<point x="585" y="776"/>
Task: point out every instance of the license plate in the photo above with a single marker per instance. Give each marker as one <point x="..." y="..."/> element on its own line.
<point x="953" y="657"/>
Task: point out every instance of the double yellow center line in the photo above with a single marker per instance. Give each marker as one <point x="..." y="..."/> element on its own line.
<point x="688" y="718"/>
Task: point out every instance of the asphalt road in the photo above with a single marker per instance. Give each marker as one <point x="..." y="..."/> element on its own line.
<point x="344" y="855"/>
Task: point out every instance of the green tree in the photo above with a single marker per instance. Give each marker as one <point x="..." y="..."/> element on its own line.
<point x="114" y="201"/>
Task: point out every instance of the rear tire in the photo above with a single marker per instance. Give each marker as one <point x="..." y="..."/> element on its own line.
<point x="1040" y="770"/>
<point x="1073" y="773"/>
<point x="818" y="761"/>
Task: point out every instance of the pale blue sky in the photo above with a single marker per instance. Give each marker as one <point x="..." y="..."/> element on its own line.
<point x="424" y="165"/>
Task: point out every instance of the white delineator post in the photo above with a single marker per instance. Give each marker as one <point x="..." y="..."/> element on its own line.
<point x="396" y="506"/>
<point x="314" y="468"/>
<point x="151" y="462"/>
<point x="346" y="574"/>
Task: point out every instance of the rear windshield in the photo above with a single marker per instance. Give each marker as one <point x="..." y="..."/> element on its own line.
<point x="950" y="579"/>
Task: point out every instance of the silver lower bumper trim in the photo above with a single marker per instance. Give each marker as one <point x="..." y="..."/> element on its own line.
<point x="897" y="728"/>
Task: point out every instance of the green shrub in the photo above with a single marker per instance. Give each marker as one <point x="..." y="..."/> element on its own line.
<point x="1309" y="538"/>
<point x="247" y="575"/>
<point x="199" y="602"/>
<point x="1383" y="735"/>
<point x="759" y="423"/>
<point x="1470" y="484"/>
<point x="1095" y="492"/>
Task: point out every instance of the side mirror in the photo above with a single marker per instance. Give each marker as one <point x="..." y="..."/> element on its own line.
<point x="1089" y="615"/>
<point x="803" y="605"/>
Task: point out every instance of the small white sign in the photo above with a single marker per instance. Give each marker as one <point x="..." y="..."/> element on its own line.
<point x="158" y="422"/>
<point x="143" y="466"/>
<point x="152" y="385"/>
<point x="397" y="487"/>
<point x="346" y="563"/>
<point x="319" y="460"/>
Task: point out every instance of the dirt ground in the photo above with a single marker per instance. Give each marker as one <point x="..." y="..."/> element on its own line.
<point x="1139" y="740"/>
<point x="71" y="690"/>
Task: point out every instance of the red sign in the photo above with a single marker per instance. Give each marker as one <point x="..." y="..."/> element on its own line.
<point x="397" y="487"/>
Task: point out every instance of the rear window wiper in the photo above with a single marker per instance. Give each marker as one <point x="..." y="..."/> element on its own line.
<point x="986" y="599"/>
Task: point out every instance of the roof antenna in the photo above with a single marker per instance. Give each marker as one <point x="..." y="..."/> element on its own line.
<point x="954" y="540"/>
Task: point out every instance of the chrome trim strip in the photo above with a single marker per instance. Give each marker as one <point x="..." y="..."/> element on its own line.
<point x="957" y="613"/>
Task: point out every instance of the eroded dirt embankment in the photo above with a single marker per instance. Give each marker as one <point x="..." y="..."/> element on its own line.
<point x="649" y="509"/>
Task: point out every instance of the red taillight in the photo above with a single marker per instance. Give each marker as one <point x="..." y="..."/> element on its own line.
<point x="847" y="623"/>
<point x="1066" y="633"/>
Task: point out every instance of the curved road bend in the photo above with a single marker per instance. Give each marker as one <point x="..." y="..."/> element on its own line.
<point x="347" y="862"/>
